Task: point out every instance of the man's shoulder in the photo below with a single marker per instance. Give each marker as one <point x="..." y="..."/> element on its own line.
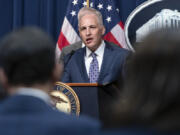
<point x="79" y="51"/>
<point x="50" y="122"/>
<point x="74" y="125"/>
<point x="26" y="105"/>
<point x="115" y="47"/>
<point x="76" y="119"/>
<point x="72" y="122"/>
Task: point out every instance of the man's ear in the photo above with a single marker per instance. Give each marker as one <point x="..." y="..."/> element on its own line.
<point x="103" y="30"/>
<point x="3" y="78"/>
<point x="57" y="72"/>
<point x="79" y="32"/>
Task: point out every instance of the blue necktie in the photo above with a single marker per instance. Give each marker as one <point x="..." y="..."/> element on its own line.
<point x="94" y="69"/>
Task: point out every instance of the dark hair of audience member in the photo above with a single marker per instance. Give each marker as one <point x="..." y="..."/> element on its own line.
<point x="151" y="96"/>
<point x="27" y="56"/>
<point x="3" y="93"/>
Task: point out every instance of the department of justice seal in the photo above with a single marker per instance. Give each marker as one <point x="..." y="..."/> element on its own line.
<point x="65" y="99"/>
<point x="150" y="16"/>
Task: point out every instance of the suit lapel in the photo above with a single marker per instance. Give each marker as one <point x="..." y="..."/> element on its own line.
<point x="81" y="64"/>
<point x="107" y="61"/>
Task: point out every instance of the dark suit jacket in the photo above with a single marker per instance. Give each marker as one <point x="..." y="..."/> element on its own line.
<point x="111" y="70"/>
<point x="141" y="130"/>
<point x="112" y="65"/>
<point x="137" y="130"/>
<point x="27" y="115"/>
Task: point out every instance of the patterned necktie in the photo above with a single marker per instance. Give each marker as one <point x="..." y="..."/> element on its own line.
<point x="94" y="69"/>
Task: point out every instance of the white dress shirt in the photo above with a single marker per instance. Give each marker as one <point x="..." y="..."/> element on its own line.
<point x="99" y="55"/>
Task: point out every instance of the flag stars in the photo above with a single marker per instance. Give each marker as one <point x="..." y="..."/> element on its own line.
<point x="73" y="13"/>
<point x="108" y="19"/>
<point x="91" y="4"/>
<point x="84" y="3"/>
<point x="117" y="9"/>
<point x="109" y="8"/>
<point x="75" y="2"/>
<point x="100" y="6"/>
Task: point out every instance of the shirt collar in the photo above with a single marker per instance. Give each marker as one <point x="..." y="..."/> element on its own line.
<point x="35" y="93"/>
<point x="83" y="45"/>
<point x="99" y="51"/>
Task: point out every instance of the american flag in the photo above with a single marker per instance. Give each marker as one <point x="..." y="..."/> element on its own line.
<point x="111" y="19"/>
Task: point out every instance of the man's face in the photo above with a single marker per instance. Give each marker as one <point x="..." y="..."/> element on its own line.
<point x="91" y="31"/>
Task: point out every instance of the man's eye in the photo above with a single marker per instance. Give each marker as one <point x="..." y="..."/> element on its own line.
<point x="92" y="27"/>
<point x="83" y="28"/>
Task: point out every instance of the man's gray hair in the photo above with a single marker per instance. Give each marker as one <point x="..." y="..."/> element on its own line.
<point x="87" y="10"/>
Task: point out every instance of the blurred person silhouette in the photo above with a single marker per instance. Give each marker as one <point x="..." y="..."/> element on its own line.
<point x="150" y="100"/>
<point x="28" y="72"/>
<point x="3" y="93"/>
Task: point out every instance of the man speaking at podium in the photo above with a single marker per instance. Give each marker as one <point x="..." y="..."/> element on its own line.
<point x="99" y="61"/>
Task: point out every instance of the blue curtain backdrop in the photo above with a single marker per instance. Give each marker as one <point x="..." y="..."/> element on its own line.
<point x="46" y="14"/>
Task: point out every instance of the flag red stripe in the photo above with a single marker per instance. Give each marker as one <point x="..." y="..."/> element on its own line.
<point x="121" y="24"/>
<point x="109" y="37"/>
<point x="62" y="41"/>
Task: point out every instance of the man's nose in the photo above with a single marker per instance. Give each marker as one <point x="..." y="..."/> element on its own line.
<point x="88" y="31"/>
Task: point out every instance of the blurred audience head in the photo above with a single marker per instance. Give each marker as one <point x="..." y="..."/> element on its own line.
<point x="151" y="96"/>
<point x="27" y="57"/>
<point x="3" y="93"/>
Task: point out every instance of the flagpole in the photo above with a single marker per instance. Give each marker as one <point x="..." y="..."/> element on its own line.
<point x="87" y="3"/>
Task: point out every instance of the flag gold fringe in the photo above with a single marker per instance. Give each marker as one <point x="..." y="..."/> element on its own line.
<point x="87" y="3"/>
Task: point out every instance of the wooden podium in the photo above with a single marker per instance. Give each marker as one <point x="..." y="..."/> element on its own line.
<point x="88" y="97"/>
<point x="95" y="100"/>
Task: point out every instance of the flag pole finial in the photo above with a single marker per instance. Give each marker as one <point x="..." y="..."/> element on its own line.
<point x="87" y="3"/>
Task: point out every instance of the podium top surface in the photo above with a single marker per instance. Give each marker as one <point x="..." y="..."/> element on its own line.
<point x="83" y="84"/>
